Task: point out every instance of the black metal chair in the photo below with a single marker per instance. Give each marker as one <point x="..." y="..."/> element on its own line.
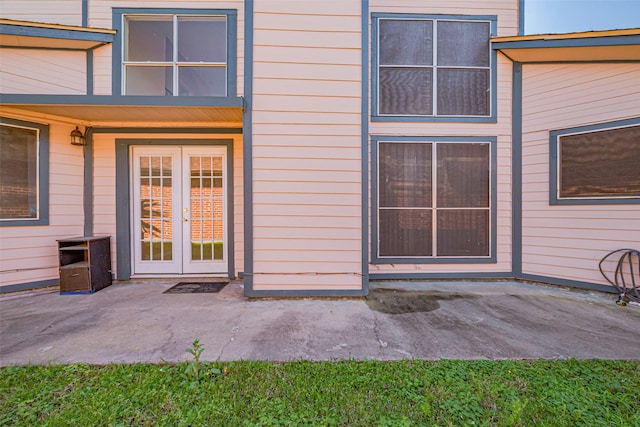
<point x="626" y="275"/>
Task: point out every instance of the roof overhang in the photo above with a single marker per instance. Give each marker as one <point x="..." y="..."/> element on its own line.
<point x="26" y="34"/>
<point x="591" y="46"/>
<point x="133" y="110"/>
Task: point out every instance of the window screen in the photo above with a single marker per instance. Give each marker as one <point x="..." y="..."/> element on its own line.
<point x="18" y="173"/>
<point x="433" y="199"/>
<point x="602" y="164"/>
<point x="433" y="67"/>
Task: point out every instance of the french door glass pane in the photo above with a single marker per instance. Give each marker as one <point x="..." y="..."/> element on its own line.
<point x="463" y="43"/>
<point x="404" y="175"/>
<point x="202" y="81"/>
<point x="463" y="92"/>
<point x="405" y="232"/>
<point x="463" y="175"/>
<point x="202" y="39"/>
<point x="143" y="80"/>
<point x="463" y="232"/>
<point x="207" y="231"/>
<point x="149" y="38"/>
<point x="405" y="42"/>
<point x="156" y="212"/>
<point x="406" y="91"/>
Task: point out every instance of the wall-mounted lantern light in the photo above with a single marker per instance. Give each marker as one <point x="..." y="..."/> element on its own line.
<point x="77" y="138"/>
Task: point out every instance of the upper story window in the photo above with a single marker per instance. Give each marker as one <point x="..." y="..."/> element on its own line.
<point x="597" y="163"/>
<point x="177" y="53"/>
<point x="23" y="173"/>
<point x="432" y="67"/>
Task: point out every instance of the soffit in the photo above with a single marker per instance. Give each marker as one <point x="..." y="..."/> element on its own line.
<point x="130" y="110"/>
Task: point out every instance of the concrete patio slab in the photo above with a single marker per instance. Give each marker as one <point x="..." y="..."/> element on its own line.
<point x="135" y="322"/>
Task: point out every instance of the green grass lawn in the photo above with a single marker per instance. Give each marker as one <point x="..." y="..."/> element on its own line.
<point x="345" y="393"/>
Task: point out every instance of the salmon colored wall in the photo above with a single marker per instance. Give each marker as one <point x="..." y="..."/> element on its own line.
<point x="306" y="145"/>
<point x="565" y="241"/>
<point x="43" y="72"/>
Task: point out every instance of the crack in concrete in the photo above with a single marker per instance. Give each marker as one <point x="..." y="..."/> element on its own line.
<point x="234" y="331"/>
<point x="376" y="325"/>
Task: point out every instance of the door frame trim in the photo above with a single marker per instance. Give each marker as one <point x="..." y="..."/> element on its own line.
<point x="123" y="196"/>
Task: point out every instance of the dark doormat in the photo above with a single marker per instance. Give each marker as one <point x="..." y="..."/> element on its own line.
<point x="196" y="288"/>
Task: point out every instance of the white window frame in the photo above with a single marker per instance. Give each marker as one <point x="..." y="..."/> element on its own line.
<point x="175" y="64"/>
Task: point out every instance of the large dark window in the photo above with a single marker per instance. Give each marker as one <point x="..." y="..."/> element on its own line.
<point x="600" y="164"/>
<point x="184" y="55"/>
<point x="432" y="67"/>
<point x="18" y="173"/>
<point x="433" y="199"/>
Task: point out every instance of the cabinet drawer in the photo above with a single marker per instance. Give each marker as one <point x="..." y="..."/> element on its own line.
<point x="75" y="279"/>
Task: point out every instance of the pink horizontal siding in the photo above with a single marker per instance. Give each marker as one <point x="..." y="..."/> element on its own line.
<point x="563" y="241"/>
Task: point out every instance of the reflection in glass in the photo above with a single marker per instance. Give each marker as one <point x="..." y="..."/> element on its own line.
<point x="156" y="211"/>
<point x="206" y="206"/>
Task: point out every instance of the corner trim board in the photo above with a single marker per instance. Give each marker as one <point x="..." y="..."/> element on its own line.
<point x="247" y="156"/>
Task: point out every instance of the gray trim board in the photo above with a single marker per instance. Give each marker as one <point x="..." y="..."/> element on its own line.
<point x="493" y="142"/>
<point x="89" y="72"/>
<point x="516" y="170"/>
<point x="232" y="37"/>
<point x="71" y="49"/>
<point x="247" y="149"/>
<point x="521" y="16"/>
<point x="123" y="196"/>
<point x="43" y="173"/>
<point x="570" y="283"/>
<point x="553" y="164"/>
<point x="87" y="191"/>
<point x="207" y="130"/>
<point x="55" y="33"/>
<point x="586" y="61"/>
<point x="29" y="285"/>
<point x="375" y="117"/>
<point x="85" y="13"/>
<point x="580" y="42"/>
<point x="364" y="148"/>
<point x="117" y="100"/>
<point x="304" y="293"/>
<point x="439" y="276"/>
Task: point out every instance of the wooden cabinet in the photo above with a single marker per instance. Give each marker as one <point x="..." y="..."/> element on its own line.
<point x="85" y="264"/>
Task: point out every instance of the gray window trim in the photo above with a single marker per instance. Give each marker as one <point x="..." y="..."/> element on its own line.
<point x="375" y="67"/>
<point x="554" y="165"/>
<point x="43" y="174"/>
<point x="492" y="258"/>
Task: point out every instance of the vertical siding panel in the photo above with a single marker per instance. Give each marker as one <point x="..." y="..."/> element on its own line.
<point x="564" y="241"/>
<point x="306" y="142"/>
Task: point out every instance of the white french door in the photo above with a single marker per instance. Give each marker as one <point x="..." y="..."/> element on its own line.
<point x="179" y="210"/>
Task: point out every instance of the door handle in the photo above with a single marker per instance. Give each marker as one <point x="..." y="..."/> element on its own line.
<point x="184" y="219"/>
